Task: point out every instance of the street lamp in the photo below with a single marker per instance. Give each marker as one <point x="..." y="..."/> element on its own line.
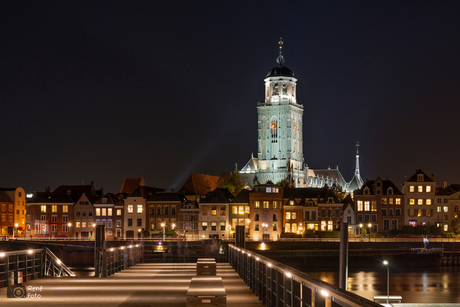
<point x="369" y="227"/>
<point x="163" y="225"/>
<point x="14" y="229"/>
<point x="388" y="280"/>
<point x="69" y="224"/>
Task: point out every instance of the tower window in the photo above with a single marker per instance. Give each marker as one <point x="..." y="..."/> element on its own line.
<point x="274" y="131"/>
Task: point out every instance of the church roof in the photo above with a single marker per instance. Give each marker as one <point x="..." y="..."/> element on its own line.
<point x="330" y="173"/>
<point x="355" y="183"/>
<point x="251" y="166"/>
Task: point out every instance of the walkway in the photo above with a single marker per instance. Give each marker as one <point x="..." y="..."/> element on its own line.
<point x="146" y="284"/>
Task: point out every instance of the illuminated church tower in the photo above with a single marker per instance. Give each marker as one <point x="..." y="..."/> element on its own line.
<point x="280" y="145"/>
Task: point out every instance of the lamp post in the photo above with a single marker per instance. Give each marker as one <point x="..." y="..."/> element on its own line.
<point x="388" y="280"/>
<point x="14" y="229"/>
<point x="163" y="225"/>
<point x="369" y="227"/>
<point x="69" y="224"/>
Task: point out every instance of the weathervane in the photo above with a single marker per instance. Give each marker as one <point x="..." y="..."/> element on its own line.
<point x="280" y="59"/>
<point x="357" y="148"/>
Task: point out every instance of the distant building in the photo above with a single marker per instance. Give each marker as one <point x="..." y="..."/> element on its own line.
<point x="163" y="208"/>
<point x="420" y="194"/>
<point x="214" y="218"/>
<point x="6" y="214"/>
<point x="239" y="213"/>
<point x="134" y="214"/>
<point x="266" y="212"/>
<point x="381" y="204"/>
<point x="188" y="223"/>
<point x="109" y="212"/>
<point x="18" y="197"/>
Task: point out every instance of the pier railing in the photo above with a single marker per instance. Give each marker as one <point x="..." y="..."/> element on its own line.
<point x="20" y="266"/>
<point x="277" y="284"/>
<point x="112" y="260"/>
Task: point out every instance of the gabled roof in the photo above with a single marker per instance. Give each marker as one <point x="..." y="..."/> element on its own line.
<point x="242" y="197"/>
<point x="168" y="196"/>
<point x="130" y="184"/>
<point x="109" y="199"/>
<point x="455" y="187"/>
<point x="199" y="184"/>
<point x="355" y="183"/>
<point x="444" y="191"/>
<point x="145" y="192"/>
<point x="250" y="167"/>
<point x="219" y="195"/>
<point x="77" y="190"/>
<point x="348" y="201"/>
<point x="371" y="185"/>
<point x="4" y="197"/>
<point x="414" y="177"/>
<point x="328" y="195"/>
<point x="47" y="197"/>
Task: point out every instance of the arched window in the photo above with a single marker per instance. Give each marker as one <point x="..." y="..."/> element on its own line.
<point x="274" y="130"/>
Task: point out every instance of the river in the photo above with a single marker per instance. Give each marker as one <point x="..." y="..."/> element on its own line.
<point x="420" y="285"/>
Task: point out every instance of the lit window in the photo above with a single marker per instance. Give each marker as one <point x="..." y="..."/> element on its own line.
<point x="439" y="209"/>
<point x="54" y="208"/>
<point x="288" y="215"/>
<point x="287" y="227"/>
<point x="420" y="188"/>
<point x="411" y="201"/>
<point x="390" y="201"/>
<point x="77" y="225"/>
<point x="419" y="201"/>
<point x="294" y="227"/>
<point x="384" y="201"/>
<point x="275" y="204"/>
<point x="104" y="211"/>
<point x="118" y="211"/>
<point x="411" y="188"/>
<point x="109" y="211"/>
<point x="257" y="205"/>
<point x="428" y="188"/>
<point x="83" y="224"/>
<point x="446" y="209"/>
<point x="139" y="208"/>
<point x="293" y="216"/>
<point x="428" y="202"/>
<point x="98" y="211"/>
<point x="246" y="209"/>
<point x="373" y="205"/>
<point x="130" y="208"/>
<point x="235" y="210"/>
<point x="360" y="205"/>
<point x="204" y="225"/>
<point x="213" y="210"/>
<point x="266" y="204"/>
<point x="367" y="206"/>
<point x="329" y="226"/>
<point x="446" y="227"/>
<point x="43" y="208"/>
<point x="398" y="201"/>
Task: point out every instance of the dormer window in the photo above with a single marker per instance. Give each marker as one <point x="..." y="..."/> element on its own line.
<point x="378" y="183"/>
<point x="366" y="191"/>
<point x="291" y="203"/>
<point x="420" y="177"/>
<point x="390" y="191"/>
<point x="330" y="200"/>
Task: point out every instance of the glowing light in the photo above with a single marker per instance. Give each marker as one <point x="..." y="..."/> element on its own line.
<point x="58" y="261"/>
<point x="30" y="251"/>
<point x="249" y="255"/>
<point x="324" y="293"/>
<point x="269" y="265"/>
<point x="111" y="249"/>
<point x="2" y="254"/>
<point x="288" y="274"/>
<point x="385" y="262"/>
<point x="257" y="258"/>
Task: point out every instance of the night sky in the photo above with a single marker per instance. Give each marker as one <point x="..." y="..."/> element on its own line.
<point x="102" y="90"/>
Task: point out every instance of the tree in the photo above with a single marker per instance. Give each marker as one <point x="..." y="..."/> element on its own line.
<point x="285" y="183"/>
<point x="455" y="223"/>
<point x="338" y="191"/>
<point x="230" y="181"/>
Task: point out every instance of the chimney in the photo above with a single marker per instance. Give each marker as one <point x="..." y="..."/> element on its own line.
<point x="445" y="184"/>
<point x="69" y="192"/>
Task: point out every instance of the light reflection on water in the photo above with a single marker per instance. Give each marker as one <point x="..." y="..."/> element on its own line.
<point x="415" y="286"/>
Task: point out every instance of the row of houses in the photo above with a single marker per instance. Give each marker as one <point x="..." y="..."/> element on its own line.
<point x="201" y="210"/>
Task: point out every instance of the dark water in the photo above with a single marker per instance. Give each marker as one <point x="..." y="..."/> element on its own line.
<point x="421" y="285"/>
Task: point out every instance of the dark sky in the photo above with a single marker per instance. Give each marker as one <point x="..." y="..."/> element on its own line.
<point x="102" y="90"/>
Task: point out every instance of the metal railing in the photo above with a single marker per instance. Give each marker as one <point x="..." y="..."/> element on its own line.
<point x="112" y="260"/>
<point x="279" y="285"/>
<point x="20" y="266"/>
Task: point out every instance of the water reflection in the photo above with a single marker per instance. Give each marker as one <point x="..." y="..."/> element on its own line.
<point x="415" y="286"/>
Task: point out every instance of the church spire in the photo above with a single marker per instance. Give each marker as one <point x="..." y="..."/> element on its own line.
<point x="357" y="159"/>
<point x="280" y="59"/>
